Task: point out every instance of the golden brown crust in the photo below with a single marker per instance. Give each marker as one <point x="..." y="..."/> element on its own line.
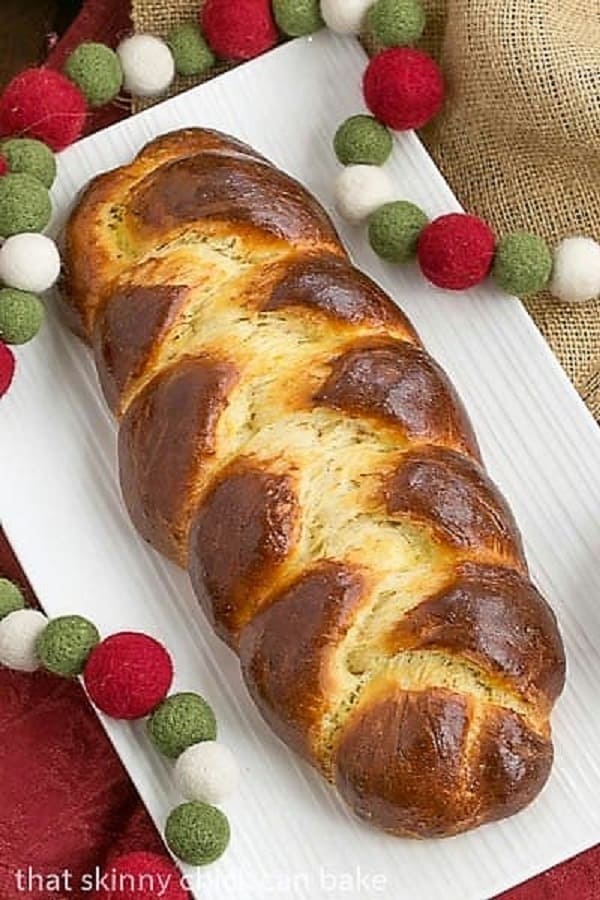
<point x="135" y="319"/>
<point x="408" y="762"/>
<point x="90" y="259"/>
<point x="244" y="529"/>
<point x="511" y="764"/>
<point x="455" y="496"/>
<point x="287" y="650"/>
<point x="333" y="286"/>
<point x="401" y="385"/>
<point x="496" y="618"/>
<point x="285" y="436"/>
<point x="191" y="141"/>
<point x="400" y="763"/>
<point x="207" y="186"/>
<point x="166" y="440"/>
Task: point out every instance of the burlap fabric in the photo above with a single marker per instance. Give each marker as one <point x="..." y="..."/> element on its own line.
<point x="519" y="137"/>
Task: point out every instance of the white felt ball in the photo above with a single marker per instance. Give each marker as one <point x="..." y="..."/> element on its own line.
<point x="29" y="262"/>
<point x="360" y="190"/>
<point x="19" y="631"/>
<point x="576" y="272"/>
<point x="207" y="772"/>
<point x="148" y="65"/>
<point x="345" y="16"/>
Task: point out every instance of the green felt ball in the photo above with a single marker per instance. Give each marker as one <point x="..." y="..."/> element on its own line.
<point x="523" y="264"/>
<point x="396" y="23"/>
<point x="65" y="644"/>
<point x="30" y="156"/>
<point x="11" y="597"/>
<point x="394" y="230"/>
<point x="298" y="17"/>
<point x="180" y="721"/>
<point x="97" y="72"/>
<point x="24" y="204"/>
<point x="197" y="833"/>
<point x="190" y="51"/>
<point x="362" y="140"/>
<point x="21" y="316"/>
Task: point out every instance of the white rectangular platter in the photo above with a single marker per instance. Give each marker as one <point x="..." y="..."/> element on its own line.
<point x="60" y="506"/>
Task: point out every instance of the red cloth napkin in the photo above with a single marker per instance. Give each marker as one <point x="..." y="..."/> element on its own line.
<point x="65" y="800"/>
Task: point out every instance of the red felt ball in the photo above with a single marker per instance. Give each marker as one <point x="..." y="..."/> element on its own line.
<point x="142" y="876"/>
<point x="7" y="368"/>
<point x="456" y="251"/>
<point x="403" y="88"/>
<point x="240" y="30"/>
<point x="43" y="104"/>
<point x="3" y="165"/>
<point x="128" y="674"/>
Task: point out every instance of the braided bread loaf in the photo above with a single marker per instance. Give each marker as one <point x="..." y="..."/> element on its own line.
<point x="284" y="435"/>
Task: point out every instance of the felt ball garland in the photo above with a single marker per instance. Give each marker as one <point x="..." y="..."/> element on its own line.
<point x="127" y="676"/>
<point x="403" y="89"/>
<point x="42" y="110"/>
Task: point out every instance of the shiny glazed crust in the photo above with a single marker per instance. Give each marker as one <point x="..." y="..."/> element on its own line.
<point x="285" y="436"/>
